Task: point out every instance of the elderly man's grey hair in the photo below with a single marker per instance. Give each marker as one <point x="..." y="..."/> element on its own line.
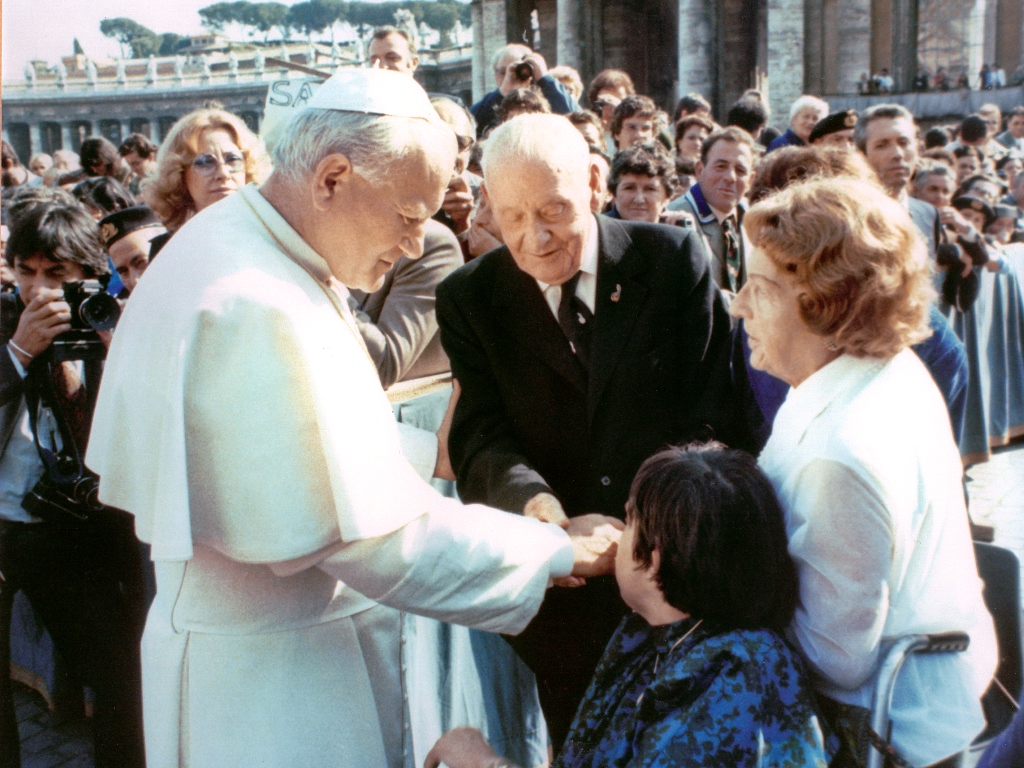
<point x="517" y="49"/>
<point x="372" y="143"/>
<point x="548" y="139"/>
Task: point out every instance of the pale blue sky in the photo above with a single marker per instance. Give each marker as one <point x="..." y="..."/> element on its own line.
<point x="44" y="29"/>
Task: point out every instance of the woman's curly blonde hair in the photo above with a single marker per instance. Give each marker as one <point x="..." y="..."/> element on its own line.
<point x="164" y="191"/>
<point x="863" y="265"/>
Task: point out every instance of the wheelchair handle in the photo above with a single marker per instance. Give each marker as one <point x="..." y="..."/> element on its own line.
<point x="885" y="683"/>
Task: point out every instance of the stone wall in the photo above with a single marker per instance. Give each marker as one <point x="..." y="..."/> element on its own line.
<point x="785" y="57"/>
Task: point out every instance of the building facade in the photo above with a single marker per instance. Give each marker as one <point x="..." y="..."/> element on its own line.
<point x="58" y="107"/>
<point x="721" y="48"/>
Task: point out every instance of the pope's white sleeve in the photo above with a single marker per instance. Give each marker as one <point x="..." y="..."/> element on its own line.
<point x="468" y="565"/>
<point x="419" y="448"/>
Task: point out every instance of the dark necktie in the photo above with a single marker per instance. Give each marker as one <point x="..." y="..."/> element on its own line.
<point x="575" y="319"/>
<point x="732" y="253"/>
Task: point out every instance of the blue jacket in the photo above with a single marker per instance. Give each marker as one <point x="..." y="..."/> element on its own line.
<point x="561" y="101"/>
<point x="663" y="697"/>
<point x="788" y="139"/>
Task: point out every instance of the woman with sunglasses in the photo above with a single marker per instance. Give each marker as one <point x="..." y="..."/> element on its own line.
<point x="208" y="155"/>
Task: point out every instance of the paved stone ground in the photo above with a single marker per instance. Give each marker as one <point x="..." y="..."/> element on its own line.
<point x="50" y="739"/>
<point x="997" y="497"/>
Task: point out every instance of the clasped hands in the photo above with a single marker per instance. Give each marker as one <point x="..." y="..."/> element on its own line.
<point x="595" y="538"/>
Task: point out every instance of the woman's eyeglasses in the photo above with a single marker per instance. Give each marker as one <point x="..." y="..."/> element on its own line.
<point x="207" y="164"/>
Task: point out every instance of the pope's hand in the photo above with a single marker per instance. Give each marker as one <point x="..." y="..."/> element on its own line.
<point x="464" y="748"/>
<point x="595" y="540"/>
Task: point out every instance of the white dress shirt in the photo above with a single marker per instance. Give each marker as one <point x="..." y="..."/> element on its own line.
<point x="586" y="287"/>
<point x="869" y="477"/>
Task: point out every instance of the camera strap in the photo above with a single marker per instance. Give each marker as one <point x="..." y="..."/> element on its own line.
<point x="39" y="390"/>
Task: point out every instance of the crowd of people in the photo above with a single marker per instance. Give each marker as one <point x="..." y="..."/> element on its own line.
<point x="611" y="437"/>
<point x="990" y="77"/>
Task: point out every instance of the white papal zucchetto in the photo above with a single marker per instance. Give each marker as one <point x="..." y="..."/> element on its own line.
<point x="373" y="92"/>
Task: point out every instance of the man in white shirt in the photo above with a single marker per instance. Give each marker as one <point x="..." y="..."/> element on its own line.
<point x="264" y="466"/>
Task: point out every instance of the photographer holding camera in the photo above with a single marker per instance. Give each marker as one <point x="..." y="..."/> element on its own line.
<point x="76" y="561"/>
<point x="516" y="66"/>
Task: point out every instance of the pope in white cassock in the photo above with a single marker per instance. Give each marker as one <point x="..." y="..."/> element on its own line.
<point x="243" y="424"/>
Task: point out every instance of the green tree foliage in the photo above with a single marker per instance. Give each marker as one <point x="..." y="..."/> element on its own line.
<point x="439" y="14"/>
<point x="131" y="35"/>
<point x="217" y="16"/>
<point x="316" y="15"/>
<point x="171" y="43"/>
<point x="270" y="16"/>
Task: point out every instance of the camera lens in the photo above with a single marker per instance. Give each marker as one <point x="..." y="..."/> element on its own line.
<point x="523" y="71"/>
<point x="100" y="312"/>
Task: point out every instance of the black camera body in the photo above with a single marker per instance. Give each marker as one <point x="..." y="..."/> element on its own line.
<point x="92" y="310"/>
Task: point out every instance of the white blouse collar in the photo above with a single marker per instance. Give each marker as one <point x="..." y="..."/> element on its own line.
<point x="823" y="387"/>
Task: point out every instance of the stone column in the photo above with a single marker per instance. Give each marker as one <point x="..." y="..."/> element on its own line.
<point x="991" y="35"/>
<point x="35" y="140"/>
<point x="846" y="42"/>
<point x="785" y="57"/>
<point x="975" y="41"/>
<point x="488" y="36"/>
<point x="696" y="48"/>
<point x="904" y="44"/>
<point x="126" y="128"/>
<point x="65" y="136"/>
<point x="570" y="23"/>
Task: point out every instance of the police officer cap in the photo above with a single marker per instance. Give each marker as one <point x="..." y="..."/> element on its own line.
<point x="1003" y="211"/>
<point x="837" y="121"/>
<point x="116" y="225"/>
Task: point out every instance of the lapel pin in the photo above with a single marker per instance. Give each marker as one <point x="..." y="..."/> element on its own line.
<point x="618" y="293"/>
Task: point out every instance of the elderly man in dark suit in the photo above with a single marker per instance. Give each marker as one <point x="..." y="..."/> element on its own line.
<point x="582" y="347"/>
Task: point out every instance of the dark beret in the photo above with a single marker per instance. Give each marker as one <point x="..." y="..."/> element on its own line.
<point x="970" y="202"/>
<point x="973" y="128"/>
<point x="116" y="225"/>
<point x="837" y="121"/>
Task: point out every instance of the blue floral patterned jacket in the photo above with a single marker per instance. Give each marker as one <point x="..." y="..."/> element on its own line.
<point x="713" y="698"/>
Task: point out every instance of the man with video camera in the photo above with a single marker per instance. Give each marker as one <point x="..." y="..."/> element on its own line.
<point x="76" y="560"/>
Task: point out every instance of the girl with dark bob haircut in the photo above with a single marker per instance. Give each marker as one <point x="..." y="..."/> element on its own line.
<point x="699" y="674"/>
<point x="714" y="517"/>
